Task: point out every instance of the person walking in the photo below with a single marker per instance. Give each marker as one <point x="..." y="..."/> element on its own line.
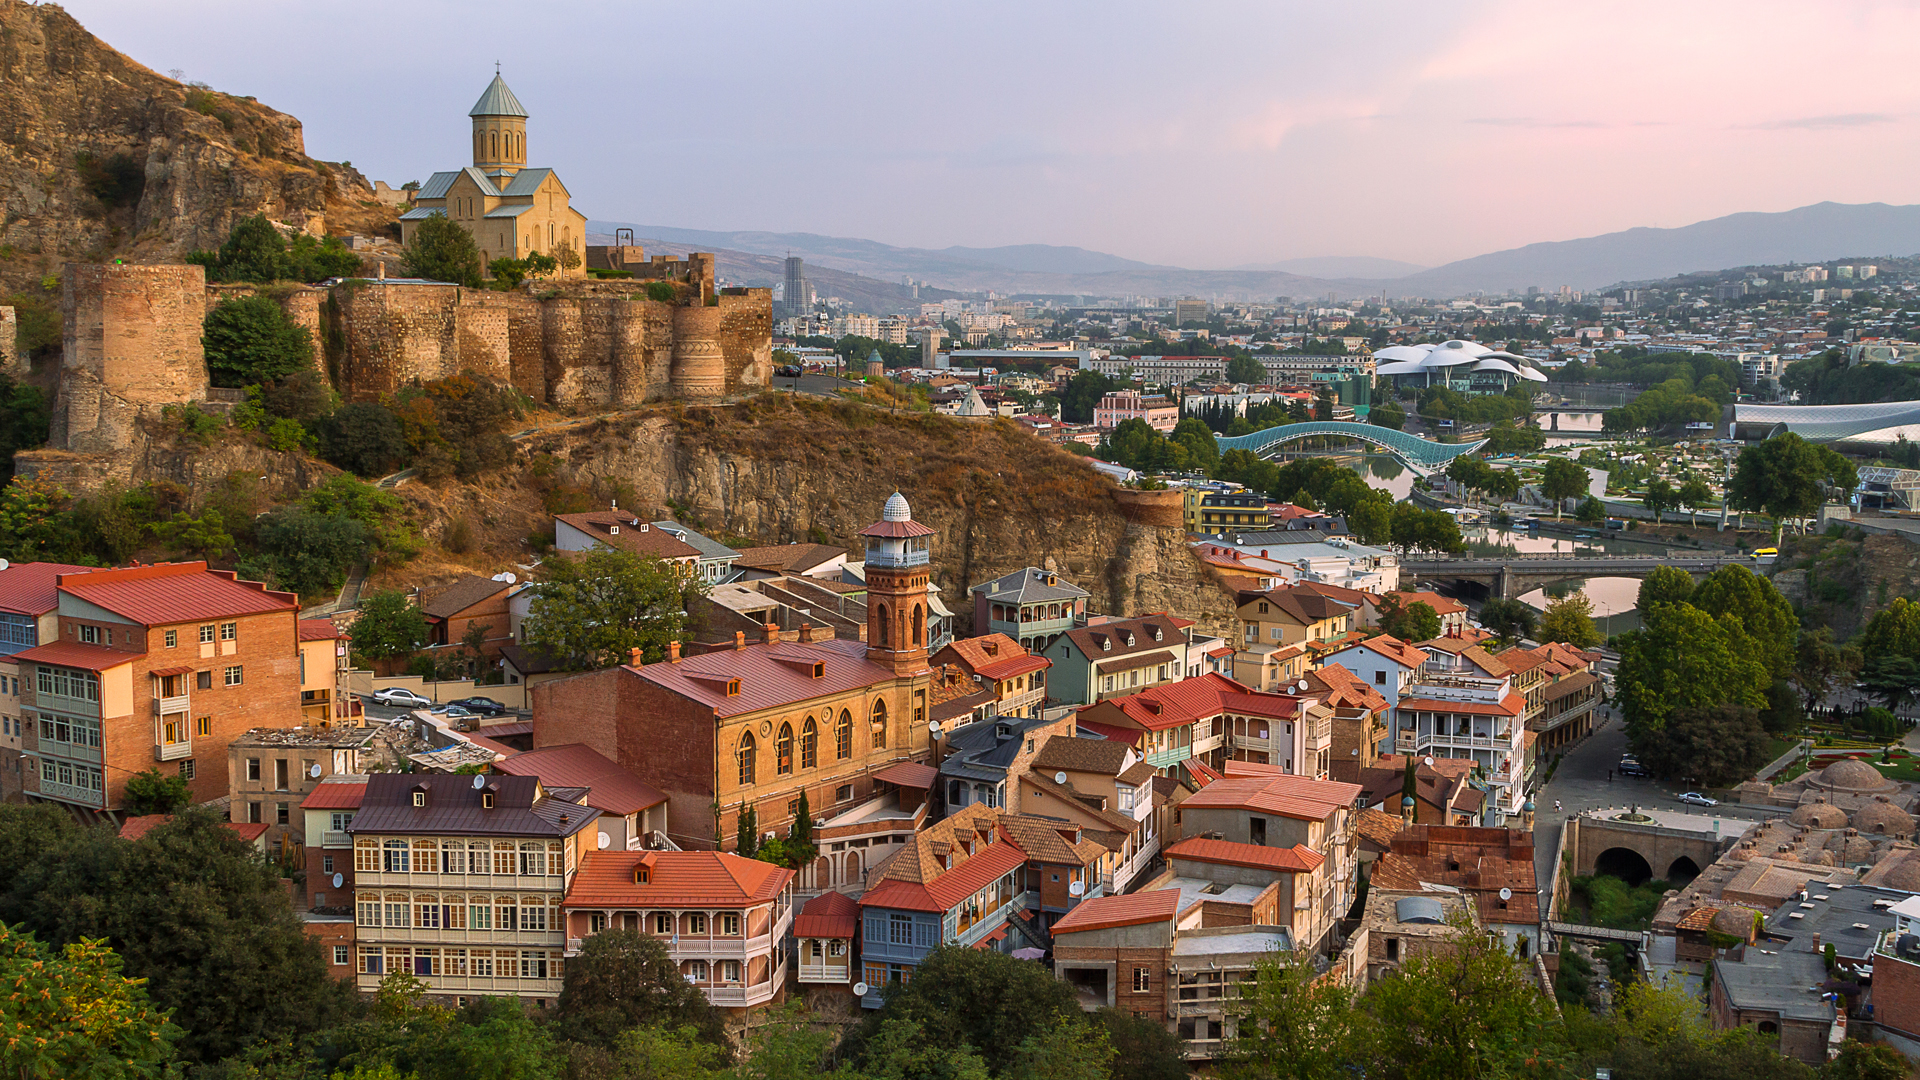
<point x="1556" y="806"/>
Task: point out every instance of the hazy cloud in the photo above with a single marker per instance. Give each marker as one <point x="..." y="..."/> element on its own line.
<point x="1825" y="123"/>
<point x="1534" y="122"/>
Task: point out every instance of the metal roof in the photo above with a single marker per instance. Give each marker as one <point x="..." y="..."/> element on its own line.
<point x="1419" y="909"/>
<point x="497" y="101"/>
<point x="526" y="181"/>
<point x="454" y="806"/>
<point x="1030" y="585"/>
<point x="437" y="185"/>
<point x="28" y="588"/>
<point x="610" y="788"/>
<point x="509" y="210"/>
<point x="174" y="593"/>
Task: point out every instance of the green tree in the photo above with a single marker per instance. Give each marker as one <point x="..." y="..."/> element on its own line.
<point x="800" y="834"/>
<point x="154" y="792"/>
<point x="1894" y="630"/>
<point x="1820" y="666"/>
<point x="1569" y="619"/>
<point x="1787" y="477"/>
<point x="624" y="979"/>
<point x="1591" y="511"/>
<point x="1245" y="369"/>
<point x="1295" y="1025"/>
<point x="508" y="273"/>
<point x="1202" y="450"/>
<point x="190" y="908"/>
<point x="1893" y="679"/>
<point x="250" y="340"/>
<point x="1660" y="497"/>
<point x="945" y="1001"/>
<point x="595" y="609"/>
<point x="1512" y="621"/>
<point x="311" y="553"/>
<point x="1693" y="495"/>
<point x="1681" y="658"/>
<point x="1562" y="479"/>
<point x="389" y="626"/>
<point x="364" y="438"/>
<point x="186" y="534"/>
<point x="900" y="1050"/>
<point x="1388" y="414"/>
<point x="24" y="420"/>
<point x="1664" y="585"/>
<point x="1765" y="617"/>
<point x="1866" y="1061"/>
<point x="746" y="833"/>
<point x="1717" y="745"/>
<point x="1068" y="1049"/>
<point x="1081" y="394"/>
<point x="379" y="512"/>
<point x="1419" y="622"/>
<point x="1143" y="1049"/>
<point x="256" y="251"/>
<point x="442" y="250"/>
<point x="72" y="1013"/>
<point x="1505" y="438"/>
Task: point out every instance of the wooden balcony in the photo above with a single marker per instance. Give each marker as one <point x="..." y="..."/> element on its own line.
<point x="174" y="751"/>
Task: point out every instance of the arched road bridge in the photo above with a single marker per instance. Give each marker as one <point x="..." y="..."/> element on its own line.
<point x="1423" y="455"/>
<point x="1508" y="576"/>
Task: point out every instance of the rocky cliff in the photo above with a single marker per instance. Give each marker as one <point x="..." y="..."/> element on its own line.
<point x="101" y="157"/>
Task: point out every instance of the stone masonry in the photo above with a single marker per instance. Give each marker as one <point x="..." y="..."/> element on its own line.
<point x="9" y="338"/>
<point x="132" y="346"/>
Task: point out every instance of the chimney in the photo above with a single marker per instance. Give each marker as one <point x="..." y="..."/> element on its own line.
<point x="673" y="652"/>
<point x="1816" y="942"/>
<point x="739" y="640"/>
<point x="383" y="269"/>
<point x="634" y="656"/>
<point x="769" y="633"/>
<point x="806" y="631"/>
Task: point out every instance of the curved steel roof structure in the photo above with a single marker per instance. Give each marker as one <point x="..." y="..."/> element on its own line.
<point x="1412" y="450"/>
<point x="1881" y="421"/>
<point x="1424" y="359"/>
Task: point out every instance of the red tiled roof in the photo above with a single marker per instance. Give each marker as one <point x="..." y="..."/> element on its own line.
<point x="1298" y="859"/>
<point x="335" y="796"/>
<point x="28" y="588"/>
<point x="1511" y="705"/>
<point x="75" y="655"/>
<point x="770" y="676"/>
<point x="1440" y="604"/>
<point x="1287" y="796"/>
<point x="248" y="830"/>
<point x="675" y="878"/>
<point x="829" y="915"/>
<point x="943" y="892"/>
<point x="909" y="774"/>
<point x="319" y="630"/>
<point x="1201" y="772"/>
<point x="1184" y="702"/>
<point x="175" y="593"/>
<point x="611" y="789"/>
<point x="1110" y="731"/>
<point x="1394" y="649"/>
<point x="1344" y="688"/>
<point x="1108" y="912"/>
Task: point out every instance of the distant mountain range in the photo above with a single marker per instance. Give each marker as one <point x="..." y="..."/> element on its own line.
<point x="1824" y="231"/>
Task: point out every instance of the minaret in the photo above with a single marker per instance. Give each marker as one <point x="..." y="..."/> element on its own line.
<point x="898" y="552"/>
<point x="499" y="131"/>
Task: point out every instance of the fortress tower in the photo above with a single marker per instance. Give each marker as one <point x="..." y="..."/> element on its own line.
<point x="898" y="554"/>
<point x="499" y="131"/>
<point x="132" y="347"/>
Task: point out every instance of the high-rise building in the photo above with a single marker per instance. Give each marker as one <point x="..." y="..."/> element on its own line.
<point x="796" y="299"/>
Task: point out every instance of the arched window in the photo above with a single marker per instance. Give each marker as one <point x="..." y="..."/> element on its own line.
<point x="746" y="756"/>
<point x="809" y="745"/>
<point x="881" y="624"/>
<point x="919" y="630"/>
<point x="843" y="736"/>
<point x="496" y="146"/>
<point x="879" y="722"/>
<point x="783" y="750"/>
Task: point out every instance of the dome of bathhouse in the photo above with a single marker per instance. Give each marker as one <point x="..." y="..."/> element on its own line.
<point x="1737" y="921"/>
<point x="1883" y="819"/>
<point x="1819" y="815"/>
<point x="1850" y="774"/>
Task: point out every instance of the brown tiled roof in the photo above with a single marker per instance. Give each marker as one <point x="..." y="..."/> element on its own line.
<point x="788" y="558"/>
<point x="1287" y="796"/>
<point x="611" y="789"/>
<point x="1570" y="684"/>
<point x="1109" y="912"/>
<point x="995" y="656"/>
<point x="674" y="879"/>
<point x="1119" y="637"/>
<point x="1343" y="688"/>
<point x="1298" y="859"/>
<point x="460" y="594"/>
<point x="636" y="535"/>
<point x="1175" y="704"/>
<point x="1394" y="649"/>
<point x="1103" y="756"/>
<point x="1440" y="604"/>
<point x="1041" y="838"/>
<point x="1304" y="606"/>
<point x="455" y="807"/>
<point x="1377" y="827"/>
<point x="1479" y="861"/>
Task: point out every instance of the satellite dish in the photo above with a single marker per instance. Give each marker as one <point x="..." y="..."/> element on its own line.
<point x="1429" y="760"/>
<point x="605" y="841"/>
<point x="1060" y="778"/>
<point x="1303" y="684"/>
<point x="1506" y="894"/>
<point x="506" y="576"/>
<point x="479" y="781"/>
<point x="1076" y="888"/>
<point x="314" y="771"/>
<point x="859" y="989"/>
<point x="338" y="880"/>
<point x="933" y="728"/>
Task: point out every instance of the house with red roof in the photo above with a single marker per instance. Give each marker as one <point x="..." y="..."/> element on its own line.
<point x="153" y="667"/>
<point x="631" y="810"/>
<point x="1214" y="719"/>
<point x="327" y="811"/>
<point x="1017" y="678"/>
<point x="1462" y="704"/>
<point x="1116" y="657"/>
<point x="824" y="938"/>
<point x="1383" y="662"/>
<point x="29" y="614"/>
<point x="724" y="918"/>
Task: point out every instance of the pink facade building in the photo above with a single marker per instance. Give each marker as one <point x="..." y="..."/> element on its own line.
<point x="1160" y="413"/>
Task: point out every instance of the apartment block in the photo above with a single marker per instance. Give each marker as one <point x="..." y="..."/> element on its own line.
<point x="271" y="771"/>
<point x="29" y="614"/>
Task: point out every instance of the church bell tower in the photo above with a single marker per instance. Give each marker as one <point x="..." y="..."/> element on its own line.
<point x="499" y="132"/>
<point x="897" y="558"/>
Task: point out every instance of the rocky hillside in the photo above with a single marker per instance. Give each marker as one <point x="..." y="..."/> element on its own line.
<point x="101" y="157"/>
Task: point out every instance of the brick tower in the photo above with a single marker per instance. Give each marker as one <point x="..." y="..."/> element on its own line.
<point x="898" y="552"/>
<point x="499" y="132"/>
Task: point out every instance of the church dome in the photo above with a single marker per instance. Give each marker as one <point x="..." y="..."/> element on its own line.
<point x="897" y="509"/>
<point x="1883" y="819"/>
<point x="1819" y="815"/>
<point x="1850" y="774"/>
<point x="497" y="101"/>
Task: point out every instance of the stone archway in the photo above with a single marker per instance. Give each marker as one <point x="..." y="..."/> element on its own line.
<point x="1624" y="863"/>
<point x="1682" y="870"/>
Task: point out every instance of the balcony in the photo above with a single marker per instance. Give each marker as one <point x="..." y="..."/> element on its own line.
<point x="173" y="751"/>
<point x="421" y="935"/>
<point x="167" y="706"/>
<point x="827" y="973"/>
<point x="330" y="838"/>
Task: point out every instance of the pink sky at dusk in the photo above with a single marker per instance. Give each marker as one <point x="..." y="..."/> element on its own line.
<point x="1202" y="135"/>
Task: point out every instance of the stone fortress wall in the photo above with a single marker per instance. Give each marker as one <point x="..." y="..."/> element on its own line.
<point x="132" y="340"/>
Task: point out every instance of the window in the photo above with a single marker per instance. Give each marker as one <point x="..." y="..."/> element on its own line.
<point x="843" y="793"/>
<point x="229" y="631"/>
<point x="843" y="736"/>
<point x="662" y="923"/>
<point x="203" y="680"/>
<point x="366" y="856"/>
<point x="233" y="675"/>
<point x="326" y="864"/>
<point x="280" y="816"/>
<point x="186" y="769"/>
<point x="697" y="971"/>
<point x="419" y="798"/>
<point x="533" y="860"/>
<point x="340" y="957"/>
<point x="426" y="913"/>
<point x="90" y="635"/>
<point x="338" y="820"/>
<point x="67" y="682"/>
<point x="729" y="971"/>
<point x="173" y="639"/>
<point x="481" y="962"/>
<point x="506" y="913"/>
<point x="279" y="774"/>
<point x="397" y="910"/>
<point x="533" y="914"/>
<point x="1379" y="678"/>
<point x="1393" y="948"/>
<point x="697" y="923"/>
<point x="253" y="813"/>
<point x="899" y="929"/>
<point x="480" y="914"/>
<point x="745" y="757"/>
<point x="395" y="859"/>
<point x="206" y="634"/>
<point x="783" y="751"/>
<point x="455" y="912"/>
<point x="809" y="745"/>
<point x="503" y="859"/>
<point x="203" y="726"/>
<point x="729" y="924"/>
<point x="879" y="724"/>
<point x="1142" y="980"/>
<point x="453" y="858"/>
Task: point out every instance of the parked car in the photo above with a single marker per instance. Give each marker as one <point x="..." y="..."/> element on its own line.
<point x="1635" y="769"/>
<point x="485" y="706"/>
<point x="1698" y="799"/>
<point x="789" y="371"/>
<point x="401" y="697"/>
<point x="455" y="712"/>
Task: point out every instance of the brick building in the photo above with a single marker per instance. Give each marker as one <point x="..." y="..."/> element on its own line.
<point x="757" y="724"/>
<point x="455" y="609"/>
<point x="29" y="614"/>
<point x="1494" y="867"/>
<point x="271" y="771"/>
<point x="162" y="664"/>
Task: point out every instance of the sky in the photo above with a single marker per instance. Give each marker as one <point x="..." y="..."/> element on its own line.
<point x="1205" y="135"/>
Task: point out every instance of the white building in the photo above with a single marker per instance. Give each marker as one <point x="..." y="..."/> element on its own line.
<point x="1455" y="708"/>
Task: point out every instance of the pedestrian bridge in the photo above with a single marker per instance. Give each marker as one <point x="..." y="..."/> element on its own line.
<point x="1596" y="933"/>
<point x="1508" y="576"/>
<point x="1424" y="455"/>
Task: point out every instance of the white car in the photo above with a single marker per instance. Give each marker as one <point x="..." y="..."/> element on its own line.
<point x="401" y="697"/>
<point x="1698" y="799"/>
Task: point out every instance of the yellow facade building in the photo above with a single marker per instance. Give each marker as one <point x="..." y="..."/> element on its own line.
<point x="511" y="210"/>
